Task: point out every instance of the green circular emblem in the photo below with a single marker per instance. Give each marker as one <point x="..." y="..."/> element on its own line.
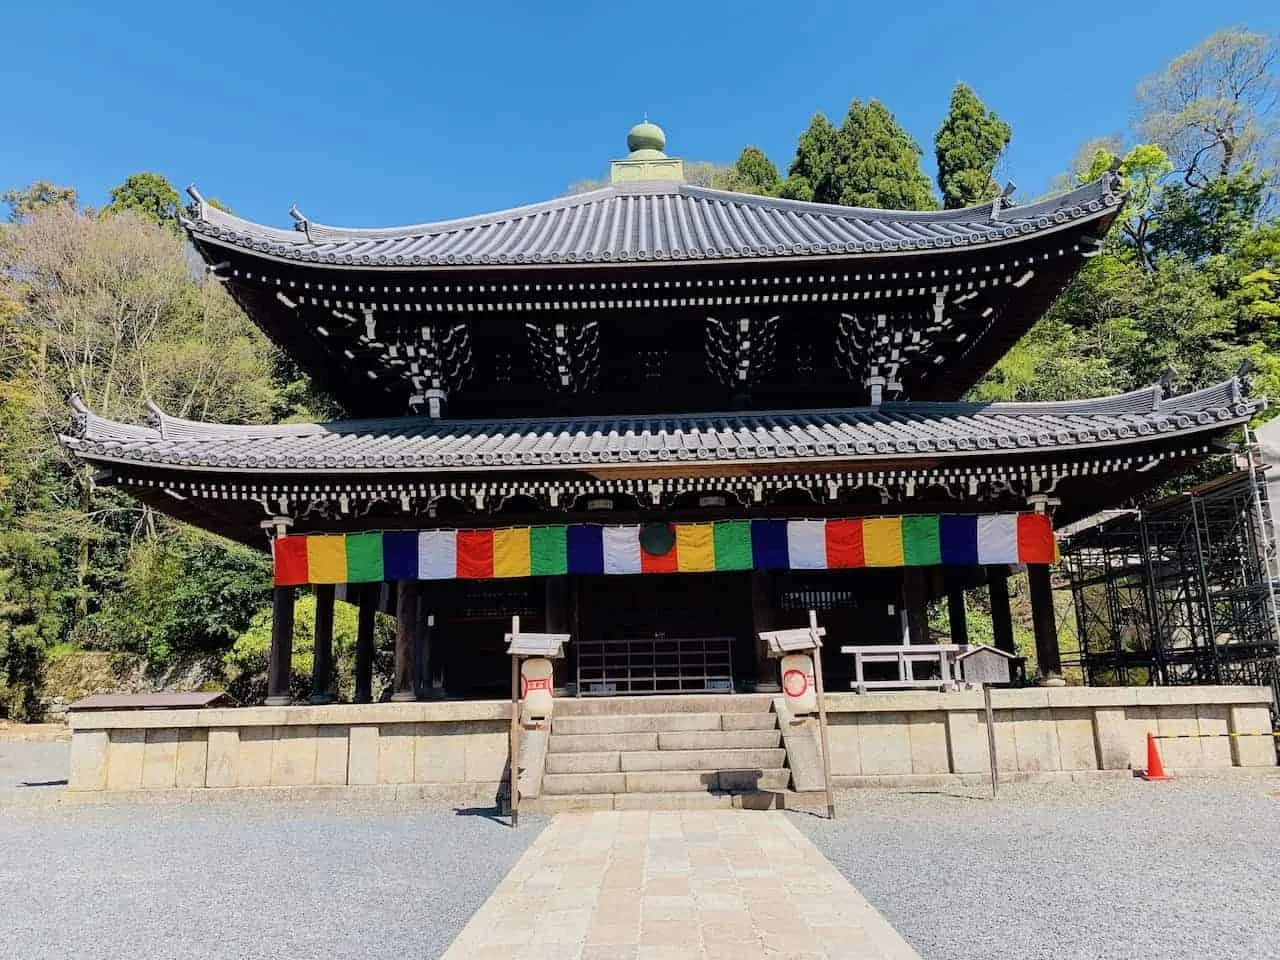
<point x="657" y="539"/>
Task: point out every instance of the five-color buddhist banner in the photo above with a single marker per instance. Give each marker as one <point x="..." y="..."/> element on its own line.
<point x="906" y="541"/>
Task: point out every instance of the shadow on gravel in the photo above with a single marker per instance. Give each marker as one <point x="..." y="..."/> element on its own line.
<point x="487" y="813"/>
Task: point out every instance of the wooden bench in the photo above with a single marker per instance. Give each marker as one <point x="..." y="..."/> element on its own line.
<point x="905" y="656"/>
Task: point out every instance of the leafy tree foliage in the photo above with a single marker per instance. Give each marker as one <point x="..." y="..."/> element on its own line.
<point x="1213" y="109"/>
<point x="148" y="194"/>
<point x="22" y="203"/>
<point x="753" y="172"/>
<point x="246" y="660"/>
<point x="106" y="307"/>
<point x="967" y="146"/>
<point x="870" y="161"/>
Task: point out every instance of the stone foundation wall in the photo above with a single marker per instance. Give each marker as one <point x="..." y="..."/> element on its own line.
<point x="1047" y="729"/>
<point x="453" y="750"/>
<point x="458" y="750"/>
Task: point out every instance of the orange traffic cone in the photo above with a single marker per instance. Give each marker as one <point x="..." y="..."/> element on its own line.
<point x="1155" y="768"/>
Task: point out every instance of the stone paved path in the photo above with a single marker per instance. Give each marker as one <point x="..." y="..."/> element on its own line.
<point x="739" y="885"/>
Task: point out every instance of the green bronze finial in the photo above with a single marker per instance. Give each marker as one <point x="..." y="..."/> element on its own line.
<point x="646" y="162"/>
<point x="646" y="141"/>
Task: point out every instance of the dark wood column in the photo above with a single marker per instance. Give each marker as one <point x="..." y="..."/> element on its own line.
<point x="364" y="641"/>
<point x="422" y="646"/>
<point x="322" y="652"/>
<point x="556" y="618"/>
<point x="1045" y="622"/>
<point x="913" y="600"/>
<point x="766" y="670"/>
<point x="280" y="658"/>
<point x="431" y="605"/>
<point x="957" y="616"/>
<point x="1001" y="618"/>
<point x="406" y="640"/>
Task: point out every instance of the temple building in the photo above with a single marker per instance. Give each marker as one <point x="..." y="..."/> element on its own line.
<point x="660" y="418"/>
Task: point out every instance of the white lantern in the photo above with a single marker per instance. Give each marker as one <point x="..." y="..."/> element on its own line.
<point x="798" y="684"/>
<point x="535" y="689"/>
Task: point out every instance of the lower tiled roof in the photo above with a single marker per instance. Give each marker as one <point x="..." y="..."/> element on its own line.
<point x="889" y="431"/>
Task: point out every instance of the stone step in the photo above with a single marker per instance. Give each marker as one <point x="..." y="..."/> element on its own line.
<point x="684" y="781"/>
<point x="660" y="781"/>
<point x="720" y="740"/>
<point x="637" y="723"/>
<point x="562" y="783"/>
<point x="601" y="742"/>
<point x="675" y="703"/>
<point x="583" y="763"/>
<point x="749" y="721"/>
<point x="702" y="759"/>
<point x="549" y="804"/>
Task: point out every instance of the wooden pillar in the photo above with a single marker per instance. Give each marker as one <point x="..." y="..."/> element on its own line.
<point x="957" y="616"/>
<point x="280" y="658"/>
<point x="1001" y="618"/>
<point x="913" y="600"/>
<point x="406" y="639"/>
<point x="766" y="670"/>
<point x="556" y="618"/>
<point x="322" y="652"/>
<point x="1045" y="622"/>
<point x="364" y="641"/>
<point x="422" y="646"/>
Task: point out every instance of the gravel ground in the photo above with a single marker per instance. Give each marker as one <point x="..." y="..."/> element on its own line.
<point x="31" y="766"/>
<point x="245" y="879"/>
<point x="1119" y="869"/>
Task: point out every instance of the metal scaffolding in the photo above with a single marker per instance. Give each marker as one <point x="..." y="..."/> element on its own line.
<point x="1180" y="592"/>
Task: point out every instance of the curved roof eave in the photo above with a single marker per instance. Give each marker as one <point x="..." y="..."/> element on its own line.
<point x="726" y="441"/>
<point x="525" y="241"/>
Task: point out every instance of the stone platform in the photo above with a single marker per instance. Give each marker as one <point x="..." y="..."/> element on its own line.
<point x="457" y="751"/>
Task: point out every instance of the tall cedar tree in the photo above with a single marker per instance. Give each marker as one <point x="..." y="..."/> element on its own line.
<point x="968" y="145"/>
<point x="753" y="172"/>
<point x="869" y="161"/>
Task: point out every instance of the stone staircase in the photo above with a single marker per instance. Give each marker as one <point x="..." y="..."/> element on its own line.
<point x="663" y="752"/>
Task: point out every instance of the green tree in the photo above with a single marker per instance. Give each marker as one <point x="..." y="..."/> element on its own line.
<point x="246" y="660"/>
<point x="811" y="175"/>
<point x="184" y="593"/>
<point x="753" y="172"/>
<point x="1213" y="108"/>
<point x="106" y="307"/>
<point x="870" y="161"/>
<point x="26" y="201"/>
<point x="148" y="194"/>
<point x="968" y="145"/>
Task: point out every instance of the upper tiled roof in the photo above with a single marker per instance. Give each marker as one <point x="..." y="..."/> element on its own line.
<point x="655" y="221"/>
<point x="892" y="430"/>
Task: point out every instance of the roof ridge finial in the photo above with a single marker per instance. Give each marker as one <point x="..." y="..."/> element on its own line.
<point x="646" y="160"/>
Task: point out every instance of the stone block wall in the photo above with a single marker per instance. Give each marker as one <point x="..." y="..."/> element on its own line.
<point x="1045" y="730"/>
<point x="453" y="750"/>
<point x="457" y="751"/>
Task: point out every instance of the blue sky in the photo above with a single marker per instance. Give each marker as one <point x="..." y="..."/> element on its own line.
<point x="375" y="113"/>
